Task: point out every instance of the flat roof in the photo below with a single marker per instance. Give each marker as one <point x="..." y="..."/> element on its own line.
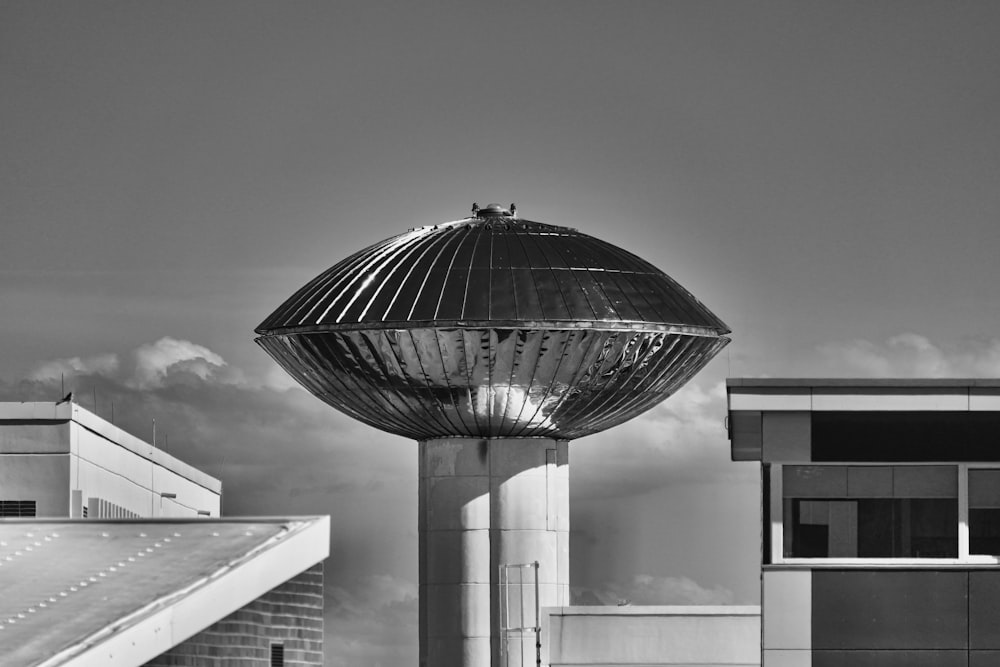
<point x="908" y="383"/>
<point x="79" y="592"/>
<point x="656" y="610"/>
<point x="65" y="411"/>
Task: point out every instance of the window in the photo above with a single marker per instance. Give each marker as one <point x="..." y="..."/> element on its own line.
<point x="905" y="436"/>
<point x="17" y="508"/>
<point x="871" y="511"/>
<point x="984" y="512"/>
<point x="277" y="654"/>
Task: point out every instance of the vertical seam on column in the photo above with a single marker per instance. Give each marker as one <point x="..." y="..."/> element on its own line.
<point x="494" y="563"/>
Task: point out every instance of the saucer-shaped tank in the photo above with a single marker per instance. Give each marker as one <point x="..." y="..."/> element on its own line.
<point x="492" y="326"/>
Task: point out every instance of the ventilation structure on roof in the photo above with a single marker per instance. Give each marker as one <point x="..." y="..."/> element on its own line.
<point x="17" y="508"/>
<point x="99" y="508"/>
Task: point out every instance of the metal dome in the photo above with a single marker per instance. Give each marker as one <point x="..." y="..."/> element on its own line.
<point x="492" y="326"/>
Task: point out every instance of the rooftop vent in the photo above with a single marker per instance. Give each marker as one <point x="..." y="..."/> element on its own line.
<point x="493" y="211"/>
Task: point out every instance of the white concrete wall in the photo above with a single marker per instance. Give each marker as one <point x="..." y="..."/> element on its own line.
<point x="61" y="456"/>
<point x="135" y="480"/>
<point x="21" y="437"/>
<point x="35" y="460"/>
<point x="38" y="477"/>
<point x="702" y="636"/>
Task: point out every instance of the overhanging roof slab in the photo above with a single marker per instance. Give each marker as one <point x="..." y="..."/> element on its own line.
<point x="115" y="593"/>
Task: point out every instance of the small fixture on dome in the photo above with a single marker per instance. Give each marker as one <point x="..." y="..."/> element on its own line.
<point x="493" y="211"/>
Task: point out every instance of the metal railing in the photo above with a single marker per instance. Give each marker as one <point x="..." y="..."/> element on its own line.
<point x="527" y="616"/>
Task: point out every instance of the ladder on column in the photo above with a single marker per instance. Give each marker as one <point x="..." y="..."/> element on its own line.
<point x="519" y="612"/>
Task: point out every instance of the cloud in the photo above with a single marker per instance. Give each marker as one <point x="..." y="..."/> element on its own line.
<point x="57" y="369"/>
<point x="913" y="355"/>
<point x="155" y="362"/>
<point x="682" y="440"/>
<point x="371" y="621"/>
<point x="857" y="354"/>
<point x="646" y="589"/>
<point x="152" y="365"/>
<point x="278" y="451"/>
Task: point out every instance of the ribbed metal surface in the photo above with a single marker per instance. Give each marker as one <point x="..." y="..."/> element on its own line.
<point x="492" y="270"/>
<point x="492" y="327"/>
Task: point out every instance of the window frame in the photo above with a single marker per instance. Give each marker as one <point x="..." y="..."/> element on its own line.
<point x="775" y="523"/>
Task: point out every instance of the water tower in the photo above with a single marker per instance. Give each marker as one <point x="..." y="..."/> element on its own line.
<point x="492" y="341"/>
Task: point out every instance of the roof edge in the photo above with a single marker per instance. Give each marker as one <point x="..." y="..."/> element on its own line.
<point x="102" y="427"/>
<point x="69" y="411"/>
<point x="166" y="622"/>
<point x="654" y="610"/>
<point x="862" y="382"/>
<point x="36" y="410"/>
<point x="555" y="325"/>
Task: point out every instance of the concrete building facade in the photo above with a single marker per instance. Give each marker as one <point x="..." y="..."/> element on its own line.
<point x="652" y="636"/>
<point x="192" y="592"/>
<point x="60" y="460"/>
<point x="880" y="519"/>
<point x="112" y="554"/>
<point x="283" y="626"/>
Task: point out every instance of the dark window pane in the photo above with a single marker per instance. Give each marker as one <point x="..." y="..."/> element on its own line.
<point x="810" y="534"/>
<point x="843" y="536"/>
<point x="984" y="488"/>
<point x="765" y="485"/>
<point x="984" y="512"/>
<point x="814" y="481"/>
<point x="933" y="528"/>
<point x="925" y="482"/>
<point x="869" y="482"/>
<point x="984" y="531"/>
<point x="875" y="528"/>
<point x="896" y="436"/>
<point x="983" y="428"/>
<point x="872" y="527"/>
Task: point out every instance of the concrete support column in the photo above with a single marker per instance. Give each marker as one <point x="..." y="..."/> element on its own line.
<point x="484" y="503"/>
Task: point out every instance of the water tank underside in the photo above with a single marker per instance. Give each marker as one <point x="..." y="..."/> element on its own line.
<point x="432" y="382"/>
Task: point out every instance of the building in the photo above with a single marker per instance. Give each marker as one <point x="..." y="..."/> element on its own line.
<point x="112" y="553"/>
<point x="651" y="636"/>
<point x="880" y="519"/>
<point x="60" y="460"/>
<point x="164" y="592"/>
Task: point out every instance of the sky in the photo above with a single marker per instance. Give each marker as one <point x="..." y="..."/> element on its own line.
<point x="824" y="176"/>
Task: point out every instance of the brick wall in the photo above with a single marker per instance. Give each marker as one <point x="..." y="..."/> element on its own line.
<point x="292" y="614"/>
